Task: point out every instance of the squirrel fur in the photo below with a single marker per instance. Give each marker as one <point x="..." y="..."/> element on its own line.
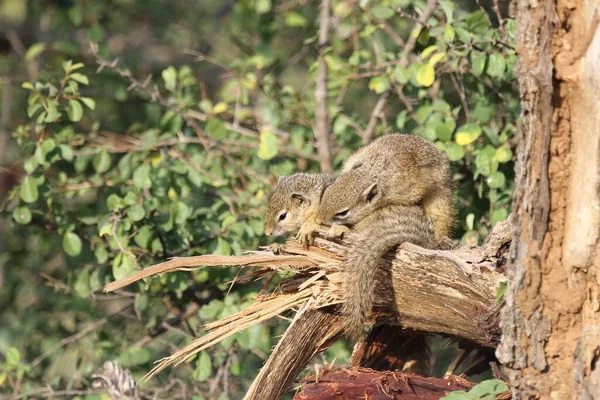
<point x="292" y="206"/>
<point x="395" y="169"/>
<point x="370" y="240"/>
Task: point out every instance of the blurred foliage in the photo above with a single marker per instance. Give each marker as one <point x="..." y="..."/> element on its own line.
<point x="172" y="149"/>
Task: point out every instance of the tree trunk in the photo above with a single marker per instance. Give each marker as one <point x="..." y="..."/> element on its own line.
<point x="551" y="324"/>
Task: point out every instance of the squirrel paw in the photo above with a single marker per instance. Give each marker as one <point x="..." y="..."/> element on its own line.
<point x="447" y="244"/>
<point x="306" y="234"/>
<point x="337" y="232"/>
<point x="277" y="248"/>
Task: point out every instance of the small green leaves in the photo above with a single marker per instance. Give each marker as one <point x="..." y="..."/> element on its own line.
<point x="496" y="65"/>
<point x="22" y="215"/>
<point x="89" y="102"/>
<point x="216" y="128"/>
<point x="203" y="369"/>
<point x="426" y="75"/>
<point x="295" y="20"/>
<point x="101" y="161"/>
<point x="72" y="244"/>
<point x="169" y="76"/>
<point x="379" y="84"/>
<point x="383" y="12"/>
<point x="455" y="152"/>
<point x="74" y="110"/>
<point x="478" y="64"/>
<point x="79" y="77"/>
<point x="141" y="177"/>
<point x="29" y="190"/>
<point x="35" y="50"/>
<point x="268" y="145"/>
<point x="136" y="213"/>
<point x="467" y="134"/>
<point x="496" y="180"/>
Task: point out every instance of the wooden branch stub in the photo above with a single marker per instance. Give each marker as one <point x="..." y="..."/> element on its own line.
<point x="363" y="383"/>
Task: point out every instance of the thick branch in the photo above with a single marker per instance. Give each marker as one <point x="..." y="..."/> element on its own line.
<point x="321" y="113"/>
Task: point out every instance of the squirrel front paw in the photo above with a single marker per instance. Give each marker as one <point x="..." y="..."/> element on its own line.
<point x="337" y="232"/>
<point x="277" y="248"/>
<point x="306" y="234"/>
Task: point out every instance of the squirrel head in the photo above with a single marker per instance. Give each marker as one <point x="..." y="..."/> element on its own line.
<point x="349" y="199"/>
<point x="287" y="206"/>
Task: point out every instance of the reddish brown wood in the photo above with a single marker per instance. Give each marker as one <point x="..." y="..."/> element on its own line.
<point x="368" y="384"/>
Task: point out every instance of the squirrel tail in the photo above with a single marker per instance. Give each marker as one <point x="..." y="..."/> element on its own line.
<point x="371" y="239"/>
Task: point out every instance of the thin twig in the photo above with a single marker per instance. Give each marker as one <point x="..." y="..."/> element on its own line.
<point x="376" y="114"/>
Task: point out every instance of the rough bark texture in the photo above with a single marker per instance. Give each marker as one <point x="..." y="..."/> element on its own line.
<point x="372" y="385"/>
<point x="551" y="325"/>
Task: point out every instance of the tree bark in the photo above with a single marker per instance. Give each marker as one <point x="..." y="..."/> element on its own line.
<point x="372" y="385"/>
<point x="551" y="324"/>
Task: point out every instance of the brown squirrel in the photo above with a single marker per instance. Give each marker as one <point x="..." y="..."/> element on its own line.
<point x="293" y="205"/>
<point x="395" y="169"/>
<point x="370" y="239"/>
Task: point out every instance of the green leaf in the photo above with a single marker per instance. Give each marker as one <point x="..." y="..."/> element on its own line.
<point x="72" y="244"/>
<point x="401" y="74"/>
<point x="79" y="77"/>
<point x="101" y="254"/>
<point x="136" y="213"/>
<point x="12" y="356"/>
<point x="496" y="65"/>
<point x="448" y="7"/>
<point x="489" y="388"/>
<point x="27" y="85"/>
<point x="470" y="220"/>
<point x="143" y="237"/>
<point x="141" y="177"/>
<point x="379" y="84"/>
<point x="269" y="146"/>
<point x="426" y="75"/>
<point x="203" y="369"/>
<point x="52" y="113"/>
<point x="169" y="75"/>
<point x="455" y="152"/>
<point x="478" y="64"/>
<point x="295" y="20"/>
<point x="501" y="290"/>
<point x="82" y="283"/>
<point x="114" y="202"/>
<point x="383" y="12"/>
<point x="123" y="266"/>
<point x="34" y="50"/>
<point x="182" y="213"/>
<point x="74" y="110"/>
<point x="496" y="180"/>
<point x="22" y="215"/>
<point x="503" y="154"/>
<point x="29" y="190"/>
<point x="443" y="131"/>
<point x="89" y="102"/>
<point x="262" y="6"/>
<point x="499" y="215"/>
<point x="459" y="395"/>
<point x="66" y="151"/>
<point x="467" y="134"/>
<point x="101" y="161"/>
<point x="449" y="33"/>
<point x="216" y="128"/>
<point x="134" y="355"/>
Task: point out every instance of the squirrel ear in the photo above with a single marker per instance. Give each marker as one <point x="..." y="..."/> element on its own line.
<point x="372" y="194"/>
<point x="299" y="199"/>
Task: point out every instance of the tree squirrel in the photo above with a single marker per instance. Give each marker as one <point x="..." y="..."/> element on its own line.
<point x="292" y="207"/>
<point x="370" y="239"/>
<point x="395" y="169"/>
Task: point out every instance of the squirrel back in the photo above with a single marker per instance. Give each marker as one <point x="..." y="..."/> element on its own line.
<point x="395" y="169"/>
<point x="370" y="240"/>
<point x="294" y="199"/>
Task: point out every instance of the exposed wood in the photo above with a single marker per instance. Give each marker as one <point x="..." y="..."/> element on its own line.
<point x="311" y="332"/>
<point x="368" y="384"/>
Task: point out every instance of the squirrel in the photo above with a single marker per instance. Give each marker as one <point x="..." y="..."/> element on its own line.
<point x="395" y="169"/>
<point x="292" y="206"/>
<point x="369" y="241"/>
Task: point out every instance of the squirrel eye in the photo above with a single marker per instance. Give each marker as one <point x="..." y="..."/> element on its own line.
<point x="342" y="214"/>
<point x="282" y="216"/>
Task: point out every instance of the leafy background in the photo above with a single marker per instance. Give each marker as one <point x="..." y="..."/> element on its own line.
<point x="132" y="131"/>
